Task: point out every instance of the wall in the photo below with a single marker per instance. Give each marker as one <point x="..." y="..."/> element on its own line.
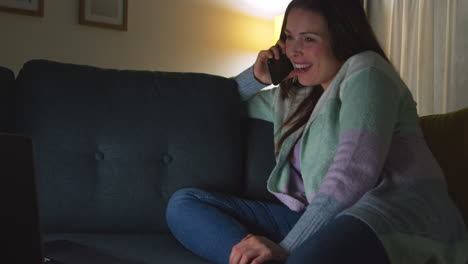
<point x="175" y="35"/>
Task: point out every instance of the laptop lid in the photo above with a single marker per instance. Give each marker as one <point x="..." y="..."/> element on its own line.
<point x="20" y="219"/>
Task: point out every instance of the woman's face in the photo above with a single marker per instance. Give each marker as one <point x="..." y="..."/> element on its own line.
<point x="308" y="47"/>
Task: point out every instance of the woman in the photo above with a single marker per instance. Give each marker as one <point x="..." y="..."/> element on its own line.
<point x="357" y="181"/>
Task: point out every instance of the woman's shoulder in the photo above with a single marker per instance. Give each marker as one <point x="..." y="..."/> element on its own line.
<point x="369" y="64"/>
<point x="371" y="61"/>
<point x="368" y="59"/>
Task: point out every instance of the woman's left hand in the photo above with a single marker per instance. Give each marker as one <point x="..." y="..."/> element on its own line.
<point x="256" y="250"/>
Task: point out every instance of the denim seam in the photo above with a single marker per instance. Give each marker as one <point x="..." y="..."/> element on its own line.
<point x="208" y="198"/>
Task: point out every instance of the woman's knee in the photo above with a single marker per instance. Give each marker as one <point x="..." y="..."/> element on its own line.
<point x="185" y="194"/>
<point x="179" y="202"/>
<point x="181" y="197"/>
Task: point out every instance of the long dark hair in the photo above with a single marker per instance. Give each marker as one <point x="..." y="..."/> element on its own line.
<point x="350" y="34"/>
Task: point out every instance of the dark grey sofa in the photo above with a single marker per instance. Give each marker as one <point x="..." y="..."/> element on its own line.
<point x="112" y="146"/>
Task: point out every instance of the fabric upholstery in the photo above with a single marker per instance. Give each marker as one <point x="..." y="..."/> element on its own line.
<point x="259" y="158"/>
<point x="447" y="137"/>
<point x="116" y="144"/>
<point x="7" y="79"/>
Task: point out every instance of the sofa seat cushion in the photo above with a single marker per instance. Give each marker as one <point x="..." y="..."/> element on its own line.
<point x="146" y="248"/>
<point x="447" y="137"/>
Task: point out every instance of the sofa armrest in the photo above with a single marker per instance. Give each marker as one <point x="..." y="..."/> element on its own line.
<point x="447" y="137"/>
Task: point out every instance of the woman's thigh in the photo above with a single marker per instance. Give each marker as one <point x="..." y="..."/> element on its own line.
<point x="344" y="240"/>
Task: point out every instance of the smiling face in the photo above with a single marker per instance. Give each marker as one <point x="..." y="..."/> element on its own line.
<point x="309" y="49"/>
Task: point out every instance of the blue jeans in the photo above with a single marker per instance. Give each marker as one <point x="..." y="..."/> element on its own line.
<point x="210" y="224"/>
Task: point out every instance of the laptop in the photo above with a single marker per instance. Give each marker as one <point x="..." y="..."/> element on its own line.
<point x="20" y="214"/>
<point x="20" y="219"/>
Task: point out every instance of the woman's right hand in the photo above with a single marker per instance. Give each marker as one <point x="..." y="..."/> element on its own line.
<point x="261" y="72"/>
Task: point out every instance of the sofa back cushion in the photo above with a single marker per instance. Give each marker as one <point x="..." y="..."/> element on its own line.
<point x="112" y="146"/>
<point x="259" y="159"/>
<point x="447" y="137"/>
<point x="7" y="79"/>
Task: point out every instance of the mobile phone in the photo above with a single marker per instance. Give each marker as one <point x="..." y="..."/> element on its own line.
<point x="279" y="69"/>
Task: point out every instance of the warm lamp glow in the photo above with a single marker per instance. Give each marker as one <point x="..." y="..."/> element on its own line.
<point x="277" y="28"/>
<point x="260" y="8"/>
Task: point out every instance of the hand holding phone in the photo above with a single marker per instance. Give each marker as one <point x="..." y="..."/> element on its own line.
<point x="279" y="69"/>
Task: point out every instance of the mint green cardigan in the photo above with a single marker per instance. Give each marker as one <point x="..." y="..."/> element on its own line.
<point x="362" y="153"/>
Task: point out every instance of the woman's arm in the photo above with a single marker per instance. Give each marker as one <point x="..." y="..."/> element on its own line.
<point x="247" y="84"/>
<point x="257" y="104"/>
<point x="367" y="117"/>
<point x="258" y="76"/>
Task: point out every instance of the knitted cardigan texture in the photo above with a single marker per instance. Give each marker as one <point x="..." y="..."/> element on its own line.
<point x="362" y="153"/>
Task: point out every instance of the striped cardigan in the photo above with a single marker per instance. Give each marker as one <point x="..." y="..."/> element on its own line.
<point x="362" y="153"/>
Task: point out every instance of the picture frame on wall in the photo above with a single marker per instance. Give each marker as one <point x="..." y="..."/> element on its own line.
<point x="23" y="7"/>
<point x="112" y="14"/>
